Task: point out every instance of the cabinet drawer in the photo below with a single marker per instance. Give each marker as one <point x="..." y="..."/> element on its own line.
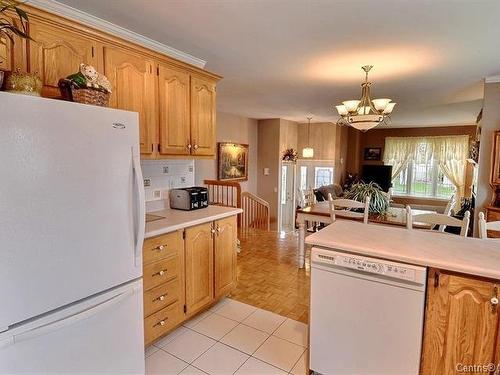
<point x="160" y="272"/>
<point x="161" y="296"/>
<point x="161" y="322"/>
<point x="161" y="247"/>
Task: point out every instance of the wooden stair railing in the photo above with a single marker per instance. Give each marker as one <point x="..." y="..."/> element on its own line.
<point x="224" y="193"/>
<point x="256" y="212"/>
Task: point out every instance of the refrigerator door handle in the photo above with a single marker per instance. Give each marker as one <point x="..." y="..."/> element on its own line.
<point x="141" y="209"/>
<point x="71" y="319"/>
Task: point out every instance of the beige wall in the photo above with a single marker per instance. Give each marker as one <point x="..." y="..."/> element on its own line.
<point x="489" y="123"/>
<point x="238" y="129"/>
<point x="269" y="154"/>
<point x="322" y="139"/>
<point x="288" y="135"/>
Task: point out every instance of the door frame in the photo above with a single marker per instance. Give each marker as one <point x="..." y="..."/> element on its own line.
<point x="294" y="207"/>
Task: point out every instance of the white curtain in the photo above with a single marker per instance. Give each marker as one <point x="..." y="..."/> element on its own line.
<point x="450" y="153"/>
<point x="398" y="152"/>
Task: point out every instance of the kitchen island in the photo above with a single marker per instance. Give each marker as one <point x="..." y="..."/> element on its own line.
<point x="459" y="295"/>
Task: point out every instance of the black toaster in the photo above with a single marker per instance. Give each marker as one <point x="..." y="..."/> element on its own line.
<point x="192" y="198"/>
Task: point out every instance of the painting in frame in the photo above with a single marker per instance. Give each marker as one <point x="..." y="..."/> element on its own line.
<point x="373" y="153"/>
<point x="495" y="156"/>
<point x="232" y="161"/>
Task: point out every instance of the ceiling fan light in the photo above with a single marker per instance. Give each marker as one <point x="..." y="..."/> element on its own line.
<point x="380" y="104"/>
<point x="307" y="152"/>
<point x="388" y="109"/>
<point x="351" y="105"/>
<point x="342" y="110"/>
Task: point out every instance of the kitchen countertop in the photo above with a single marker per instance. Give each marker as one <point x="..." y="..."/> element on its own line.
<point x="471" y="256"/>
<point x="178" y="219"/>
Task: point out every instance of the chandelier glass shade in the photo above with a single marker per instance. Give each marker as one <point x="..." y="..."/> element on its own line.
<point x="366" y="113"/>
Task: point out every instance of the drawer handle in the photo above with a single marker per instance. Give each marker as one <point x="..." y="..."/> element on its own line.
<point x="161" y="247"/>
<point x="160" y="273"/>
<point x="161" y="298"/>
<point x="161" y="322"/>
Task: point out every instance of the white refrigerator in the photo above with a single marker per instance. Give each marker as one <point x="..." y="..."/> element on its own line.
<point x="71" y="233"/>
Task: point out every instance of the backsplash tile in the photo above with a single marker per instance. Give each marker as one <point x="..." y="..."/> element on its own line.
<point x="163" y="176"/>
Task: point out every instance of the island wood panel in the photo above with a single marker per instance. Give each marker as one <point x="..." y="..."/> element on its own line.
<point x="199" y="247"/>
<point x="133" y="80"/>
<point x="202" y="116"/>
<point x="225" y="255"/>
<point x="174" y="107"/>
<point x="461" y="324"/>
<point x="56" y="53"/>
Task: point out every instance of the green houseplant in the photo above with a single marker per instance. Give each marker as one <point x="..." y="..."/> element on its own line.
<point x="379" y="200"/>
<point x="8" y="27"/>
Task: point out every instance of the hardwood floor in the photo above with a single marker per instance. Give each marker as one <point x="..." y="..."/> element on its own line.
<point x="268" y="276"/>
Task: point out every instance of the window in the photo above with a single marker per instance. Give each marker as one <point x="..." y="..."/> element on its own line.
<point x="323" y="176"/>
<point x="303" y="178"/>
<point x="283" y="184"/>
<point x="423" y="177"/>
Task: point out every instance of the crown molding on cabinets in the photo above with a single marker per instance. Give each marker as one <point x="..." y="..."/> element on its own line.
<point x="492" y="79"/>
<point x="106" y="26"/>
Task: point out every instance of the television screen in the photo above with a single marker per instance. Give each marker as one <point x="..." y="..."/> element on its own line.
<point x="380" y="174"/>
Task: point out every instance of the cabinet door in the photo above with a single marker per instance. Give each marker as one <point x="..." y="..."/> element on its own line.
<point x="56" y="53"/>
<point x="133" y="78"/>
<point x="460" y="324"/>
<point x="199" y="244"/>
<point x="202" y="116"/>
<point x="225" y="256"/>
<point x="174" y="111"/>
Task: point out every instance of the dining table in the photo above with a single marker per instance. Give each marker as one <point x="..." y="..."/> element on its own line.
<point x="320" y="213"/>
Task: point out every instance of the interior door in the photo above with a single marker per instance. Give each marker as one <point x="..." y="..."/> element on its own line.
<point x="133" y="78"/>
<point x="202" y="116"/>
<point x="71" y="215"/>
<point x="199" y="245"/>
<point x="174" y="104"/>
<point x="56" y="53"/>
<point x="225" y="255"/>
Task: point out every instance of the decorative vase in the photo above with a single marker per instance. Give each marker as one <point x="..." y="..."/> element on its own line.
<point x="24" y="83"/>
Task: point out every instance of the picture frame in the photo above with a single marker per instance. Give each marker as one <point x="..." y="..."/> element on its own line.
<point x="373" y="153"/>
<point x="495" y="159"/>
<point x="232" y="161"/>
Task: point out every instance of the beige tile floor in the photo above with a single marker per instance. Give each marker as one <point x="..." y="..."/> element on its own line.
<point x="232" y="338"/>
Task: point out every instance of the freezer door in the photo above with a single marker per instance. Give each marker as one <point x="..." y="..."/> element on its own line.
<point x="101" y="335"/>
<point x="71" y="203"/>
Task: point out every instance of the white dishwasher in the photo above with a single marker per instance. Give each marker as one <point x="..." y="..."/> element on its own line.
<point x="366" y="315"/>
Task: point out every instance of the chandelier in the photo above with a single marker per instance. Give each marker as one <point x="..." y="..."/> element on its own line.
<point x="366" y="113"/>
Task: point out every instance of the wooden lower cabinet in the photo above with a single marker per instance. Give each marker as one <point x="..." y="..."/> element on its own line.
<point x="199" y="244"/>
<point x="461" y="323"/>
<point x="185" y="272"/>
<point x="225" y="256"/>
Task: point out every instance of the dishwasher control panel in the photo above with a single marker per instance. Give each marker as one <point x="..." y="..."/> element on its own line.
<point x="370" y="265"/>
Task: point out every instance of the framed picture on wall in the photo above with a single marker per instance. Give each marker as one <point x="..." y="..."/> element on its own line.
<point x="232" y="161"/>
<point x="495" y="172"/>
<point x="373" y="153"/>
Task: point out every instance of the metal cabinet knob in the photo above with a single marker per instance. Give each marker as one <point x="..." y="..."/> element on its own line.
<point x="162" y="272"/>
<point x="494" y="301"/>
<point x="195" y="147"/>
<point x="161" y="247"/>
<point x="189" y="147"/>
<point x="161" y="298"/>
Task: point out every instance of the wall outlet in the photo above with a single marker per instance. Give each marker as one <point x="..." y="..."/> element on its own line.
<point x="165" y="170"/>
<point x="157" y="194"/>
<point x="266" y="171"/>
<point x="147" y="182"/>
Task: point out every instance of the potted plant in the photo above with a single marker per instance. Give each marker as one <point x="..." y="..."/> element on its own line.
<point x="379" y="200"/>
<point x="9" y="29"/>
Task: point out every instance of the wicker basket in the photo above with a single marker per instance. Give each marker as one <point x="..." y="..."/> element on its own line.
<point x="85" y="96"/>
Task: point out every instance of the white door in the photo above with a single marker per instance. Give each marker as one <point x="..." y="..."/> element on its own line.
<point x="101" y="335"/>
<point x="71" y="212"/>
<point x="287" y="196"/>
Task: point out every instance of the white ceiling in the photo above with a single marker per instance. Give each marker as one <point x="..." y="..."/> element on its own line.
<point x="293" y="58"/>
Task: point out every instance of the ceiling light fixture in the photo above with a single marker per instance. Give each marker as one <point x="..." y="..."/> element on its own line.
<point x="366" y="113"/>
<point x="308" y="152"/>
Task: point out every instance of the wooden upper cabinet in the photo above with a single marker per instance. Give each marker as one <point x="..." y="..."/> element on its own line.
<point x="225" y="256"/>
<point x="174" y="126"/>
<point x="203" y="110"/>
<point x="56" y="53"/>
<point x="461" y="323"/>
<point x="133" y="78"/>
<point x="199" y="256"/>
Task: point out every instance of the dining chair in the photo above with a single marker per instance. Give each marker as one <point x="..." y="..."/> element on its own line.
<point x="440" y="220"/>
<point x="307" y="200"/>
<point x="485" y="226"/>
<point x="347" y="207"/>
<point x="448" y="210"/>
